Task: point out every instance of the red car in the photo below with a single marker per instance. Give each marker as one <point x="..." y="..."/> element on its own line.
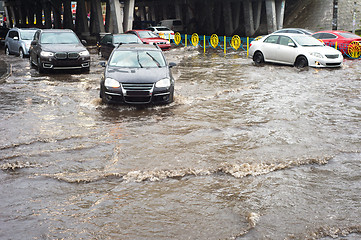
<point x="148" y="37"/>
<point x="342" y="38"/>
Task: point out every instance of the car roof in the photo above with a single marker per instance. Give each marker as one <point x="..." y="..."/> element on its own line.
<point x="56" y="30"/>
<point x="289" y="35"/>
<point x="133" y="46"/>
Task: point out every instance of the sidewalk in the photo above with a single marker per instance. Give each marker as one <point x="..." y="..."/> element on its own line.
<point x="4" y="71"/>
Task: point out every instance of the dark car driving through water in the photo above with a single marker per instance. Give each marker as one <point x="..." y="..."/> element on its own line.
<point x="137" y="74"/>
<point x="58" y="49"/>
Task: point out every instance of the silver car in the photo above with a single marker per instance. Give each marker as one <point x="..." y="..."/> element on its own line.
<point x="294" y="49"/>
<point x="18" y="41"/>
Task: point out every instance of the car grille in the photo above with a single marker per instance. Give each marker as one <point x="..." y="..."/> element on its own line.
<point x="332" y="56"/>
<point x="137" y="86"/>
<point x="64" y="55"/>
<point x="73" y="55"/>
<point x="333" y="64"/>
<point x="61" y="55"/>
<point x="138" y="92"/>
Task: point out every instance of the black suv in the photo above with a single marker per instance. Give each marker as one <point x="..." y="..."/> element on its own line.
<point x="58" y="49"/>
<point x="137" y="74"/>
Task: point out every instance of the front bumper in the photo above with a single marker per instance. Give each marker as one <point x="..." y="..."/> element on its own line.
<point x="57" y="64"/>
<point x="325" y="62"/>
<point x="139" y="95"/>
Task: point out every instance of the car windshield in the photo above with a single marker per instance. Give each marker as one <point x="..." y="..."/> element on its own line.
<point x="27" y="35"/>
<point x="137" y="59"/>
<point x="128" y="38"/>
<point x="59" y="38"/>
<point x="307" y="41"/>
<point x="147" y="34"/>
<point x="348" y="35"/>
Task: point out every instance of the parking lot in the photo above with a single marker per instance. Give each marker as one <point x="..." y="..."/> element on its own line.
<point x="243" y="152"/>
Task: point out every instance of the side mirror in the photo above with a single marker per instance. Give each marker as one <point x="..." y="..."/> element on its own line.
<point x="291" y="45"/>
<point x="103" y="63"/>
<point x="16" y="38"/>
<point x="83" y="42"/>
<point x="172" y="64"/>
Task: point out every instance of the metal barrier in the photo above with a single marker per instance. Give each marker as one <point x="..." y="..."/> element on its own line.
<point x="213" y="42"/>
<point x="352" y="50"/>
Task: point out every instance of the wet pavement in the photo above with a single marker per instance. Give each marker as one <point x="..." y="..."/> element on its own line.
<point x="244" y="152"/>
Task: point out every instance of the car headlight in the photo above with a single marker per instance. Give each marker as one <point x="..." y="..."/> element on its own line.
<point x="163" y="83"/>
<point x="84" y="53"/>
<point x="110" y="82"/>
<point x="46" y="54"/>
<point x="316" y="54"/>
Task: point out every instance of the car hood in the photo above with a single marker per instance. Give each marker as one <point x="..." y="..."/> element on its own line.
<point x="63" y="47"/>
<point x="323" y="50"/>
<point x="137" y="75"/>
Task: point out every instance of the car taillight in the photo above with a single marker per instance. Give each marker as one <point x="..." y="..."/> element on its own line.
<point x="172" y="33"/>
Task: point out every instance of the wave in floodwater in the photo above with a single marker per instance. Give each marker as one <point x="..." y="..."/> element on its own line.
<point x="234" y="170"/>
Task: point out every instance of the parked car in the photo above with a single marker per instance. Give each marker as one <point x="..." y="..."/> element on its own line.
<point x="294" y="49"/>
<point x="18" y="40"/>
<point x="162" y="31"/>
<point x="58" y="49"/>
<point x="149" y="37"/>
<point x="342" y="38"/>
<point x="294" y="30"/>
<point x="111" y="41"/>
<point x="137" y="74"/>
<point x="174" y="24"/>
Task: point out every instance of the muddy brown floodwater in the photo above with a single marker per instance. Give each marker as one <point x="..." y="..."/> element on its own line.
<point x="244" y="152"/>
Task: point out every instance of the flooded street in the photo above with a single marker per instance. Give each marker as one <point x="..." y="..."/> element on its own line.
<point x="244" y="152"/>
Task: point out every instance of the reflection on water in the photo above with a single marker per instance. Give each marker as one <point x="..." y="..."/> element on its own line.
<point x="244" y="152"/>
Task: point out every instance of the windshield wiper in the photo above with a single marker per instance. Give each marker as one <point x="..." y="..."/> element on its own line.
<point x="158" y="64"/>
<point x="139" y="61"/>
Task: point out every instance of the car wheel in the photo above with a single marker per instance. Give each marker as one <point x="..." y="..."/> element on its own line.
<point x="31" y="61"/>
<point x="21" y="53"/>
<point x="258" y="58"/>
<point x="301" y="62"/>
<point x="7" y="52"/>
<point x="103" y="96"/>
<point x="40" y="67"/>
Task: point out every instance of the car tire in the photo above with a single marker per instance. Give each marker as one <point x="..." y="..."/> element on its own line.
<point x="103" y="96"/>
<point x="258" y="58"/>
<point x="21" y="53"/>
<point x="301" y="62"/>
<point x="7" y="51"/>
<point x="31" y="61"/>
<point x="40" y="67"/>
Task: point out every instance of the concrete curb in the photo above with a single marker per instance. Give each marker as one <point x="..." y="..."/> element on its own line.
<point x="5" y="71"/>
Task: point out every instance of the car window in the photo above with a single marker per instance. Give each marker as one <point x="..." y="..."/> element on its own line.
<point x="307" y="41"/>
<point x="27" y="35"/>
<point x="285" y="40"/>
<point x="317" y="35"/>
<point x="151" y="29"/>
<point x="271" y="39"/>
<point x="13" y="34"/>
<point x="126" y="38"/>
<point x="59" y="38"/>
<point x="137" y="59"/>
<point x="147" y="34"/>
<point x="163" y="29"/>
<point x="294" y="31"/>
<point x="327" y="36"/>
<point x="348" y="35"/>
<point x="107" y="38"/>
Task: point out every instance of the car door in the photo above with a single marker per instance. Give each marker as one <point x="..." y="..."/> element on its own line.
<point x="286" y="50"/>
<point x="269" y="48"/>
<point x="34" y="47"/>
<point x="13" y="39"/>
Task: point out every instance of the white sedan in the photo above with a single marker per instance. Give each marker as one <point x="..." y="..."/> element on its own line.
<point x="163" y="32"/>
<point x="294" y="49"/>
